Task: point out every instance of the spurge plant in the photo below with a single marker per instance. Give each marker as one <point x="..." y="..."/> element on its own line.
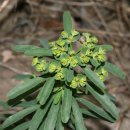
<point x="70" y="69"/>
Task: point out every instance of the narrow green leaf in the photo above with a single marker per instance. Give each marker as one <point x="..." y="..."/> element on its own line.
<point x="94" y="78"/>
<point x="46" y="91"/>
<point x="59" y="125"/>
<point x="23" y="48"/>
<point x="106" y="103"/>
<point x="38" y="116"/>
<point x="26" y="104"/>
<point x="105" y="47"/>
<point x="42" y="126"/>
<point x="58" y="97"/>
<point x="24" y="87"/>
<point x="67" y="19"/>
<point x="79" y="122"/>
<point x="4" y="105"/>
<point x="18" y="116"/>
<point x="94" y="62"/>
<point x="89" y="113"/>
<point x="96" y="109"/>
<point x="44" y="43"/>
<point x="38" y="52"/>
<point x="23" y="126"/>
<point x="115" y="70"/>
<point x="51" y="119"/>
<point x="23" y="76"/>
<point x="66" y="105"/>
<point x="69" y="75"/>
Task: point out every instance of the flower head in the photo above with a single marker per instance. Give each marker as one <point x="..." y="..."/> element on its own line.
<point x="35" y="61"/>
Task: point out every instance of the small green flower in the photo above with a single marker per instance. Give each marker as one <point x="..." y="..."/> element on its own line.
<point x="74" y="84"/>
<point x="43" y="62"/>
<point x="52" y="44"/>
<point x="73" y="62"/>
<point x="74" y="33"/>
<point x="101" y="51"/>
<point x="91" y="46"/>
<point x="102" y="77"/>
<point x="59" y="76"/>
<point x="76" y="79"/>
<point x="35" y="61"/>
<point x="60" y="42"/>
<point x="86" y="35"/>
<point x="64" y="62"/>
<point x="94" y="40"/>
<point x="56" y="52"/>
<point x="82" y="81"/>
<point x="94" y="55"/>
<point x="84" y="59"/>
<point x="72" y="52"/>
<point x="64" y="34"/>
<point x="62" y="49"/>
<point x="59" y="69"/>
<point x="104" y="71"/>
<point x="52" y="68"/>
<point x="70" y="39"/>
<point x="88" y="53"/>
<point x="40" y="67"/>
<point x="101" y="58"/>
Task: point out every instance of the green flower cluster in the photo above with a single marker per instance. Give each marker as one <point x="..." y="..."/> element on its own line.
<point x="78" y="81"/>
<point x="39" y="65"/>
<point x="67" y="57"/>
<point x="102" y="73"/>
<point x="90" y="51"/>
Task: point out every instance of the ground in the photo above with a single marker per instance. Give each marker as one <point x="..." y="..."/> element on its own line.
<point x="109" y="23"/>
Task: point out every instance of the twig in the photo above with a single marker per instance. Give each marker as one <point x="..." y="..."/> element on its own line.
<point x="13" y="69"/>
<point x="6" y="7"/>
<point x="100" y="17"/>
<point x="3" y="5"/>
<point x="83" y="4"/>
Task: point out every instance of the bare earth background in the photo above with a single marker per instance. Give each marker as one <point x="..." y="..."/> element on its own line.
<point x="25" y="21"/>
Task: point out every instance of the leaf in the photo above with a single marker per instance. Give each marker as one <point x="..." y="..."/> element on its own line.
<point x="44" y="43"/>
<point x="58" y="96"/>
<point x="69" y="75"/>
<point x="68" y="27"/>
<point x="23" y="48"/>
<point x="26" y="86"/>
<point x="38" y="116"/>
<point x="38" y="52"/>
<point x="51" y="119"/>
<point x="46" y="91"/>
<point x="4" y="105"/>
<point x="94" y="62"/>
<point x="115" y="70"/>
<point x="105" y="47"/>
<point x="59" y="125"/>
<point x="94" y="78"/>
<point x="89" y="113"/>
<point x="79" y="122"/>
<point x="106" y="103"/>
<point x="96" y="109"/>
<point x="26" y="104"/>
<point x="18" y="116"/>
<point x="22" y="126"/>
<point x="66" y="105"/>
<point x="23" y="76"/>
